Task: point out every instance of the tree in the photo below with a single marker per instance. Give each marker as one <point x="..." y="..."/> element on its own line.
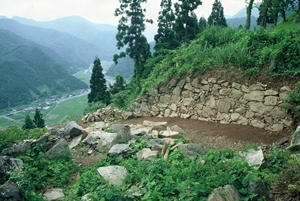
<point x="38" y="119"/>
<point x="271" y="10"/>
<point x="263" y="8"/>
<point x="217" y="15"/>
<point x="202" y="24"/>
<point x="28" y="123"/>
<point x="118" y="86"/>
<point x="130" y="35"/>
<point x="186" y="23"/>
<point x="98" y="86"/>
<point x="249" y="10"/>
<point x="165" y="37"/>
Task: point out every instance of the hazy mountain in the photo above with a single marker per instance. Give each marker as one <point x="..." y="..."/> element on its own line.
<point x="242" y="13"/>
<point x="239" y="19"/>
<point x="100" y="35"/>
<point x="27" y="72"/>
<point x="236" y="22"/>
<point x="125" y="66"/>
<point x="77" y="52"/>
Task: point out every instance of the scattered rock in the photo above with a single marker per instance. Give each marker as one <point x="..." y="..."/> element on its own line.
<point x="295" y="142"/>
<point x="53" y="194"/>
<point x="106" y="141"/>
<point x="226" y="193"/>
<point x="16" y="149"/>
<point x="8" y="164"/>
<point x="113" y="174"/>
<point x="120" y="149"/>
<point x="75" y="142"/>
<point x="9" y="191"/>
<point x="60" y="148"/>
<point x="73" y="129"/>
<point x="259" y="188"/>
<point x="146" y="153"/>
<point x="192" y="149"/>
<point x="169" y="134"/>
<point x="254" y="157"/>
<point x="137" y="132"/>
<point x="159" y="126"/>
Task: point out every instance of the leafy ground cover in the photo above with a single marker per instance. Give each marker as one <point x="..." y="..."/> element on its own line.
<point x="176" y="178"/>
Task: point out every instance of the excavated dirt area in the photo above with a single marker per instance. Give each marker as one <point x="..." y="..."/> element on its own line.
<point x="220" y="136"/>
<point x="210" y="134"/>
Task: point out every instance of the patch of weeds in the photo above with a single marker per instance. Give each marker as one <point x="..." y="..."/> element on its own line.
<point x="287" y="186"/>
<point x="140" y="143"/>
<point x="40" y="172"/>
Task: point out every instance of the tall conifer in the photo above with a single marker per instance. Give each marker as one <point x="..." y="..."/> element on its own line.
<point x="98" y="86"/>
<point x="130" y="35"/>
<point x="38" y="119"/>
<point x="217" y="15"/>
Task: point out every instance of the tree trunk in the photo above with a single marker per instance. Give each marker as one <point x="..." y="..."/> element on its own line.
<point x="186" y="29"/>
<point x="266" y="4"/>
<point x="249" y="10"/>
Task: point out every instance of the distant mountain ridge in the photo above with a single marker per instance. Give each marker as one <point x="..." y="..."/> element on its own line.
<point x="77" y="52"/>
<point x="100" y="35"/>
<point x="27" y="72"/>
<point x="243" y="13"/>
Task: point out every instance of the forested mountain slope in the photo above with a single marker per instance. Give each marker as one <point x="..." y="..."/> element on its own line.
<point x="28" y="72"/>
<point x="77" y="52"/>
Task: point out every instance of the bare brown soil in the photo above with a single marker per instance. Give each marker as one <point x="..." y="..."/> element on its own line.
<point x="210" y="134"/>
<point x="220" y="136"/>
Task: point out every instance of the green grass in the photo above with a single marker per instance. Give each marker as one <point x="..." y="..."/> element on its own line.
<point x="68" y="110"/>
<point x="64" y="111"/>
<point x="5" y="122"/>
<point x="84" y="75"/>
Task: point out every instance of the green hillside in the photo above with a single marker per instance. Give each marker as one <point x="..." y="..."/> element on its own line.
<point x="273" y="52"/>
<point x="28" y="73"/>
<point x="76" y="51"/>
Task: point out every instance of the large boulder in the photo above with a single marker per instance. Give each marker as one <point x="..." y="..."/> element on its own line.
<point x="106" y="141"/>
<point x="123" y="130"/>
<point x="9" y="191"/>
<point x="254" y="157"/>
<point x="73" y="129"/>
<point x="120" y="150"/>
<point x="113" y="174"/>
<point x="16" y="150"/>
<point x="59" y="149"/>
<point x="295" y="142"/>
<point x="75" y="141"/>
<point x="8" y="164"/>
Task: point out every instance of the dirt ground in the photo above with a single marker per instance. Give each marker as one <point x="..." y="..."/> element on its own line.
<point x="220" y="136"/>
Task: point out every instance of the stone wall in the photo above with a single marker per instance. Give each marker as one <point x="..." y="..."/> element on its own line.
<point x="218" y="100"/>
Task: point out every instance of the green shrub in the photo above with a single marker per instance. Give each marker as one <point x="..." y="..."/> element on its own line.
<point x="93" y="107"/>
<point x="40" y="173"/>
<point x="287" y="187"/>
<point x="292" y="103"/>
<point x="15" y="134"/>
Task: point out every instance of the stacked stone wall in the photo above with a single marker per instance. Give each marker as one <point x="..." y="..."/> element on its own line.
<point x="217" y="100"/>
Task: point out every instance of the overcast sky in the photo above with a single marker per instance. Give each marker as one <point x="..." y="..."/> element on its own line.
<point x="97" y="11"/>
